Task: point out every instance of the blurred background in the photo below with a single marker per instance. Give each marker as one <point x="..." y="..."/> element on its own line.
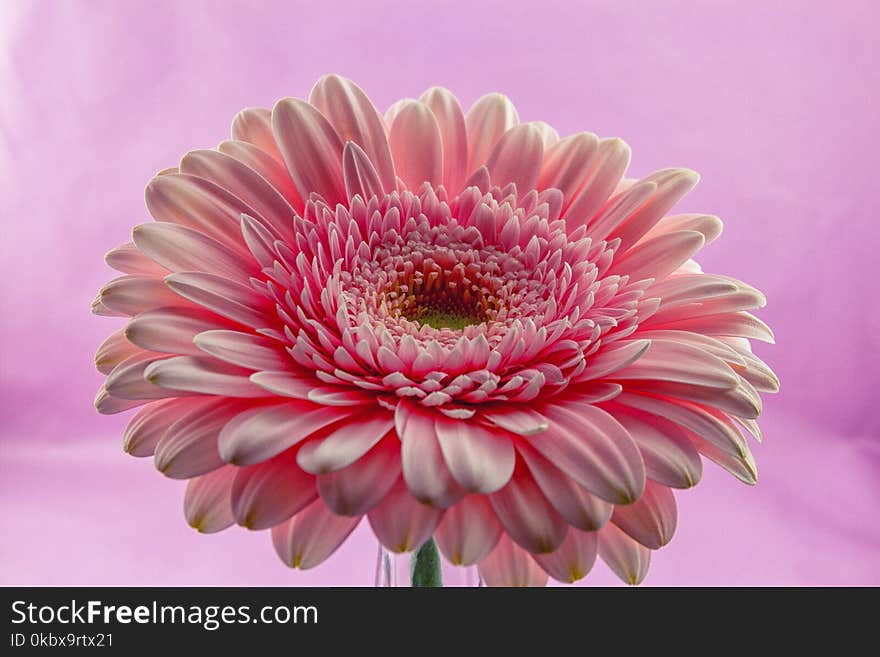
<point x="774" y="103"/>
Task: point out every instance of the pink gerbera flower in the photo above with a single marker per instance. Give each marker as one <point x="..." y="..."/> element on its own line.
<point x="457" y="325"/>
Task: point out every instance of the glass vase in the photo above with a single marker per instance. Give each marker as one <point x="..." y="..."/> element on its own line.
<point x="395" y="570"/>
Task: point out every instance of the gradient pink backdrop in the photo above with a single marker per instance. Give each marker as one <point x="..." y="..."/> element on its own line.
<point x="774" y="103"/>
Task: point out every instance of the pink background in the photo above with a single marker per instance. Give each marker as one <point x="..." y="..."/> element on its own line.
<point x="774" y="103"/>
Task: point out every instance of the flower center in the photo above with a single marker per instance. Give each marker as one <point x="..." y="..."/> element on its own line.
<point x="475" y="300"/>
<point x="445" y="313"/>
<point x="442" y="293"/>
<point x="451" y="319"/>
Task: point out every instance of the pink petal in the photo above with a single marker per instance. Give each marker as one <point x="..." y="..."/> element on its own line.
<point x="479" y="179"/>
<point x="510" y="565"/>
<point x="672" y="185"/>
<point x="245" y="184"/>
<point x="130" y="295"/>
<point x="758" y="373"/>
<point x="527" y="516"/>
<point x="659" y="256"/>
<point x="711" y="425"/>
<point x="742" y="466"/>
<point x="126" y="380"/>
<point x="289" y="384"/>
<point x="98" y="308"/>
<point x="260" y="241"/>
<point x="742" y="297"/>
<point x="679" y="362"/>
<point x="670" y="458"/>
<point x="591" y="447"/>
<point x="574" y="557"/>
<point x="401" y="522"/>
<point x="619" y="207"/>
<point x="178" y="248"/>
<point x="708" y="225"/>
<point x="189" y="446"/>
<point x="549" y="135"/>
<point x="567" y="164"/>
<point x="394" y="109"/>
<point x="311" y="536"/>
<point x="453" y="135"/>
<point x="417" y="145"/>
<point x="311" y="148"/>
<point x="738" y="324"/>
<point x="708" y="344"/>
<point x="596" y="392"/>
<point x="517" y="158"/>
<point x="229" y="299"/>
<point x="752" y="427"/>
<point x="129" y="260"/>
<point x="284" y="383"/>
<point x="357" y="488"/>
<point x="574" y="503"/>
<point x="246" y="350"/>
<point x="269" y="167"/>
<point x="614" y="357"/>
<point x="469" y="530"/>
<point x="107" y="404"/>
<point x="206" y="503"/>
<point x="199" y="204"/>
<point x="651" y="519"/>
<point x="254" y="126"/>
<point x="521" y="421"/>
<point x="340" y="396"/>
<point x="346" y="443"/>
<point x="203" y="375"/>
<point x="628" y="559"/>
<point x="742" y="401"/>
<point x="355" y="119"/>
<point x="424" y="468"/>
<point x="688" y="289"/>
<point x="262" y="433"/>
<point x="171" y="330"/>
<point x="269" y="493"/>
<point x="150" y="424"/>
<point x="113" y="351"/>
<point x="361" y="178"/>
<point x="610" y="163"/>
<point x="480" y="459"/>
<point x="486" y="121"/>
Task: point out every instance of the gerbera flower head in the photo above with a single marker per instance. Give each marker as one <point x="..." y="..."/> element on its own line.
<point x="457" y="325"/>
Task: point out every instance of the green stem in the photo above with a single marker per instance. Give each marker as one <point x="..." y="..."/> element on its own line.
<point x="425" y="565"/>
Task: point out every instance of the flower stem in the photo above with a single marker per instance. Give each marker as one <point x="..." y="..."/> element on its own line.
<point x="425" y="565"/>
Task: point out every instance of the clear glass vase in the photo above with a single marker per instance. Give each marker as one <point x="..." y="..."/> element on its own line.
<point x="395" y="570"/>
